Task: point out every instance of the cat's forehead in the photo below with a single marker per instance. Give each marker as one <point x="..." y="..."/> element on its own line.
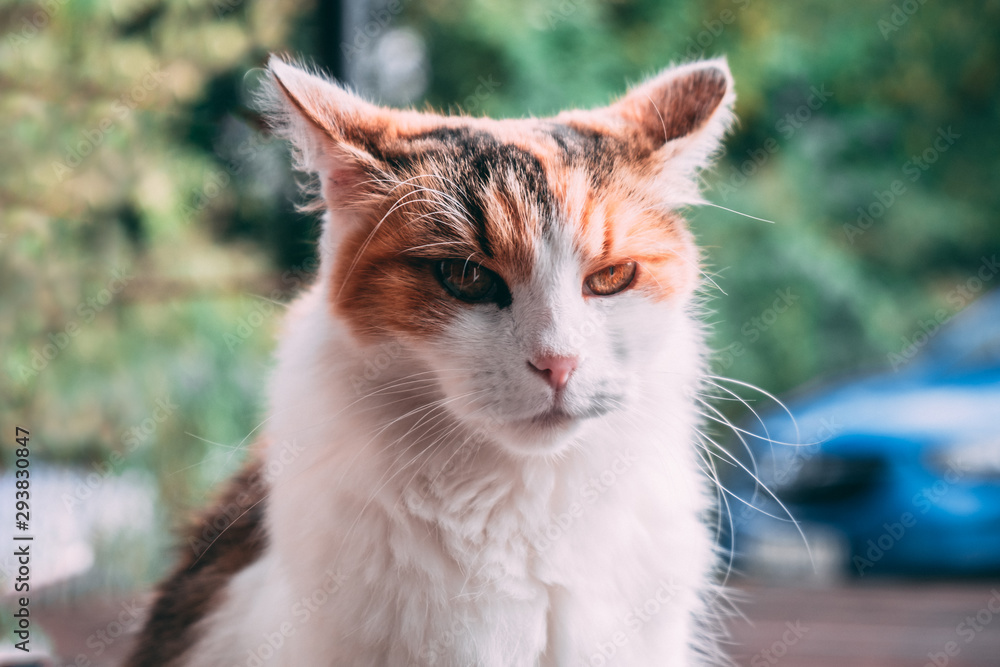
<point x="486" y="164"/>
<point x="519" y="189"/>
<point x="483" y="148"/>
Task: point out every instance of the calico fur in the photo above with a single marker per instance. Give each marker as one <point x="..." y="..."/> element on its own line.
<point x="445" y="503"/>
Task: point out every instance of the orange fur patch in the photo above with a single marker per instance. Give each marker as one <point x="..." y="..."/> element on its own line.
<point x="431" y="187"/>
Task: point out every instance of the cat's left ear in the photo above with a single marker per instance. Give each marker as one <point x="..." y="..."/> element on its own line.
<point x="336" y="134"/>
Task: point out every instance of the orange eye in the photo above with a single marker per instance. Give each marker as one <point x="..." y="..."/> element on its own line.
<point x="611" y="280"/>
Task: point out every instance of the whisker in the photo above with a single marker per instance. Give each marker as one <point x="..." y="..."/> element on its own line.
<point x="745" y="215"/>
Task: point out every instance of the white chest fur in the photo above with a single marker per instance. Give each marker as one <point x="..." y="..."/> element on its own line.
<point x="381" y="553"/>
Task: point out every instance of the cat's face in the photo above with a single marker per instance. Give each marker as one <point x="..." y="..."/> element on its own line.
<point x="538" y="268"/>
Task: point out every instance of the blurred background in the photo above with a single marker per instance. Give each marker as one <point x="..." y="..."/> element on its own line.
<point x="149" y="240"/>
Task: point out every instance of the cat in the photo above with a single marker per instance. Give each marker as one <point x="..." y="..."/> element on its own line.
<point x="482" y="440"/>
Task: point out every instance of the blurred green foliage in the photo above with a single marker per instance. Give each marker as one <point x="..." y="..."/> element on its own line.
<point x="143" y="221"/>
<point x="148" y="228"/>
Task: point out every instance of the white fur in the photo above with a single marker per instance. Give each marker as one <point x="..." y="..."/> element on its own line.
<point x="428" y="520"/>
<point x="449" y="545"/>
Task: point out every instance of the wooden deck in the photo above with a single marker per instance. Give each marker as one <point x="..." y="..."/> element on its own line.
<point x="883" y="624"/>
<point x="901" y="624"/>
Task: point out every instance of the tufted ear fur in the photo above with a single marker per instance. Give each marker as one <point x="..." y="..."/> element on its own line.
<point x="687" y="107"/>
<point x="335" y="134"/>
<point x="675" y="121"/>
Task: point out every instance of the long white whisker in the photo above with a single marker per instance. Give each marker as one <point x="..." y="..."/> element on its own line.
<point x="745" y="215"/>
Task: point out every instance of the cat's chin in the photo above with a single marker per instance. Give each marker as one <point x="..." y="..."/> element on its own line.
<point x="541" y="435"/>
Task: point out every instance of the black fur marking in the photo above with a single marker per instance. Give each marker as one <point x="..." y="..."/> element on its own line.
<point x="228" y="539"/>
<point x="594" y="151"/>
<point x="473" y="158"/>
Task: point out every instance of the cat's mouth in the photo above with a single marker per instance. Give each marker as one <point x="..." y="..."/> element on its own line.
<point x="546" y="431"/>
<point x="559" y="417"/>
<point x="554" y="418"/>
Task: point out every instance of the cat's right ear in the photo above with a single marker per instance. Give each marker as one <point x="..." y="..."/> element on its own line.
<point x="334" y="133"/>
<point x="672" y="123"/>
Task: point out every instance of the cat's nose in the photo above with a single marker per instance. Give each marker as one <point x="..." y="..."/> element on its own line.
<point x="555" y="370"/>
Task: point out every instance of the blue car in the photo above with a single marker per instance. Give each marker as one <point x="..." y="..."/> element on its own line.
<point x="896" y="473"/>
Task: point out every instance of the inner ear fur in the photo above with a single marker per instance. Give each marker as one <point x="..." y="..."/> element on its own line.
<point x="678" y="116"/>
<point x="680" y="102"/>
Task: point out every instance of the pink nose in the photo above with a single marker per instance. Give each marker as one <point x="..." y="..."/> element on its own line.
<point x="555" y="370"/>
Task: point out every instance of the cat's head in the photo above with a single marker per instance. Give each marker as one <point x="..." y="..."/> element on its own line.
<point x="539" y="268"/>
